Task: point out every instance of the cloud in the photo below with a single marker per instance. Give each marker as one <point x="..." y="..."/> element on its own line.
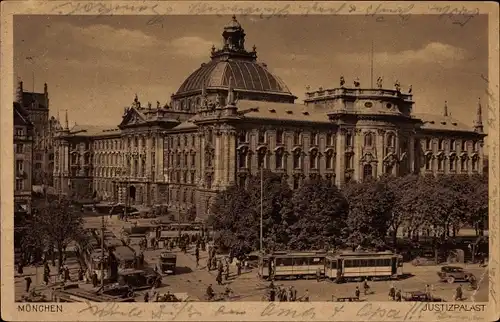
<point x="433" y="53"/>
<point x="191" y="46"/>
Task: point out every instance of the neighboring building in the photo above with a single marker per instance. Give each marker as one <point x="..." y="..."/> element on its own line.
<point x="23" y="158"/>
<point x="36" y="106"/>
<point x="232" y="117"/>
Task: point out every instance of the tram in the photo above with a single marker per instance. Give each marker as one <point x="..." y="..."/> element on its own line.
<point x="338" y="266"/>
<point x="291" y="264"/>
<point x="360" y="265"/>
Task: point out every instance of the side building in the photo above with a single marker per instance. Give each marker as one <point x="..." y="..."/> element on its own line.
<point x="232" y="117"/>
<point x="23" y="160"/>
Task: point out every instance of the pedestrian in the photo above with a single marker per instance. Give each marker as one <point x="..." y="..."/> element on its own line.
<point x="146" y="297"/>
<point x="366" y="287"/>
<point x="459" y="293"/>
<point x="67" y="276"/>
<point x="20" y="268"/>
<point x="80" y="274"/>
<point x="392" y="292"/>
<point x="428" y="291"/>
<point x="46" y="278"/>
<point x="210" y="292"/>
<point x="226" y="271"/>
<point x="197" y="255"/>
<point x="305" y="297"/>
<point x="398" y="296"/>
<point x="272" y="294"/>
<point x="94" y="279"/>
<point x="290" y="294"/>
<point x="318" y="274"/>
<point x="357" y="292"/>
<point x="238" y="267"/>
<point x="28" y="283"/>
<point x="219" y="278"/>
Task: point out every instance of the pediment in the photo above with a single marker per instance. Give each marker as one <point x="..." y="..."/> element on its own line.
<point x="132" y="117"/>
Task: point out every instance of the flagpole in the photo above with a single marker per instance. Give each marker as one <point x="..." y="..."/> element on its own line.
<point x="261" y="202"/>
<point x="371" y="68"/>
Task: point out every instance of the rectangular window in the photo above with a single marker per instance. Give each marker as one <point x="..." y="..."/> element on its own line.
<point x="19" y="166"/>
<point x="19" y="184"/>
<point x="19" y="132"/>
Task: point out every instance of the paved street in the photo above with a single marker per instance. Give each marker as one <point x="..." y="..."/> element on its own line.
<point x="248" y="287"/>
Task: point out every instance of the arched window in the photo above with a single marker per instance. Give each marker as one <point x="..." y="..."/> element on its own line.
<point x="262" y="137"/>
<point x="296" y="160"/>
<point x="329" y="160"/>
<point x="453" y="145"/>
<point x="368" y="139"/>
<point x="314" y="138"/>
<point x="279" y="159"/>
<point x="391" y="142"/>
<point x="242" y="138"/>
<point x="348" y="162"/>
<point x="348" y="139"/>
<point x="452" y="163"/>
<point x="242" y="160"/>
<point x="428" y="144"/>
<point x="441" y="144"/>
<point x="261" y="162"/>
<point x="329" y="139"/>
<point x="296" y="138"/>
<point x="279" y="136"/>
<point x="440" y="163"/>
<point x="313" y="159"/>
<point x="367" y="172"/>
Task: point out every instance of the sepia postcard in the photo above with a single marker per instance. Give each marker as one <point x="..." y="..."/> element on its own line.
<point x="249" y="161"/>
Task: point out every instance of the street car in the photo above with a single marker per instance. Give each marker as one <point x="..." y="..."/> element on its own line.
<point x="451" y="274"/>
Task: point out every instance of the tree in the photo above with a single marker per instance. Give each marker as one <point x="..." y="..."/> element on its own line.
<point x="370" y="208"/>
<point x="276" y="195"/>
<point x="57" y="223"/>
<point x="235" y="220"/>
<point x="404" y="190"/>
<point x="317" y="216"/>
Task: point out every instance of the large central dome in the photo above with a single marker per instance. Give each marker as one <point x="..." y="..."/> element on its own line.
<point x="232" y="63"/>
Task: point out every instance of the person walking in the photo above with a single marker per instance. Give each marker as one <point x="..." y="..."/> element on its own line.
<point x="197" y="255"/>
<point x="392" y="292"/>
<point x="366" y="287"/>
<point x="28" y="283"/>
<point x="357" y="293"/>
<point x="318" y="275"/>
<point x="398" y="296"/>
<point x="146" y="297"/>
<point x="218" y="279"/>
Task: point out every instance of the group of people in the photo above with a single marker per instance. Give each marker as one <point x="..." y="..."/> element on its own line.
<point x="282" y="294"/>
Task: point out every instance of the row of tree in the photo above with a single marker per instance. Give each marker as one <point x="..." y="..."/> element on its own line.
<point x="320" y="216"/>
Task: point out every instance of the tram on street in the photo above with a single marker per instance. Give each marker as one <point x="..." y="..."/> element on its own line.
<point x="338" y="266"/>
<point x="291" y="264"/>
<point x="344" y="266"/>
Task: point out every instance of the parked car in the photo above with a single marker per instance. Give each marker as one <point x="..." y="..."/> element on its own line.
<point x="419" y="296"/>
<point x="451" y="274"/>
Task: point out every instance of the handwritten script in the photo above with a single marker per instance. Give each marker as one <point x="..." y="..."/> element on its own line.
<point x="222" y="310"/>
<point x="379" y="10"/>
<point x="459" y="16"/>
<point x="111" y="309"/>
<point x="276" y="310"/>
<point x="103" y="8"/>
<point x="174" y="310"/>
<point x="375" y="312"/>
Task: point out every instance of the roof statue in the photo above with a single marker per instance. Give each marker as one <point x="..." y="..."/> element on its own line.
<point x="213" y="49"/>
<point x="397" y="86"/>
<point x="149" y="105"/>
<point x="157" y="104"/>
<point x="410" y="89"/>
<point x="217" y="100"/>
<point x="254" y="48"/>
<point x="308" y="88"/>
<point x="342" y="81"/>
<point x="356" y="82"/>
<point x="379" y="82"/>
<point x="136" y="103"/>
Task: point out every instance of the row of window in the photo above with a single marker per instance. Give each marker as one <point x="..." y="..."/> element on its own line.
<point x="453" y="144"/>
<point x="186" y="195"/>
<point x="452" y="164"/>
<point x="262" y="138"/>
<point x="184" y="141"/>
<point x="280" y="159"/>
<point x="181" y="160"/>
<point x="178" y="176"/>
<point x="117" y="144"/>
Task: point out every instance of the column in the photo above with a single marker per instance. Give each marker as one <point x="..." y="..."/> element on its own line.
<point x="200" y="166"/>
<point x="231" y="169"/>
<point x="148" y="157"/>
<point x="411" y="153"/>
<point x="217" y="180"/>
<point x="340" y="162"/>
<point x="379" y="141"/>
<point x="357" y="154"/>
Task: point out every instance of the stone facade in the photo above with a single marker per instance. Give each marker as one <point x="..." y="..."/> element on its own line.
<point x="23" y="158"/>
<point x="232" y="117"/>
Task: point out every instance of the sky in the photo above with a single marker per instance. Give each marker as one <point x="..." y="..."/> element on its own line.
<point x="94" y="65"/>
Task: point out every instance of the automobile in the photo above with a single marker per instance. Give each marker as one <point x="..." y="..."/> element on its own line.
<point x="451" y="274"/>
<point x="419" y="296"/>
<point x="167" y="263"/>
<point x="139" y="279"/>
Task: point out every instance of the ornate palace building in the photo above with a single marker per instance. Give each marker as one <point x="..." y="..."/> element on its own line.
<point x="232" y="116"/>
